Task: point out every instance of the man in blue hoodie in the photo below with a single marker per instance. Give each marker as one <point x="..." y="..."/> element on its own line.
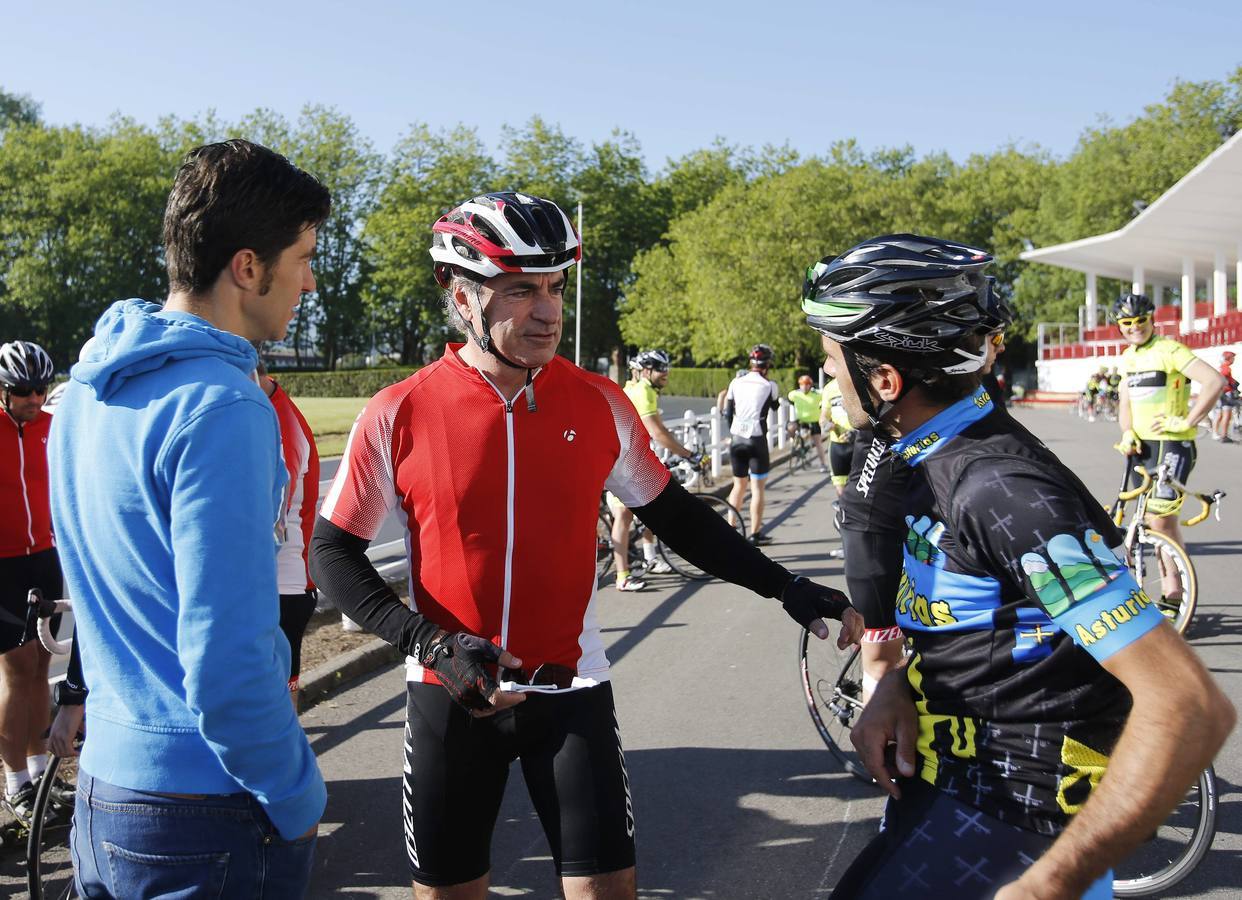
<point x="196" y="778"/>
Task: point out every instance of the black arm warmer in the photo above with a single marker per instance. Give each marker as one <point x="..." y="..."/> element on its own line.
<point x="341" y="570"/>
<point x="695" y="531"/>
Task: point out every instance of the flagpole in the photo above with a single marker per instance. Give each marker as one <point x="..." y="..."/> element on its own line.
<point x="578" y="300"/>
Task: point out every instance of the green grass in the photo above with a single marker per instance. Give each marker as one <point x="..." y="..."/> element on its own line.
<point x="330" y="418"/>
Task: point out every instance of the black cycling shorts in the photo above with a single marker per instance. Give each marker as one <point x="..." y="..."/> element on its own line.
<point x="18" y="574"/>
<point x="1180" y="454"/>
<point x="811" y="427"/>
<point x="749" y="456"/>
<point x="455" y="772"/>
<point x="839" y="458"/>
<point x="931" y="845"/>
<point x="873" y="574"/>
<point x="295" y="614"/>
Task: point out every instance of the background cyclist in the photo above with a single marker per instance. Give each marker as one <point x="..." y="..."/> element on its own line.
<point x="806" y="402"/>
<point x="1229" y="400"/>
<point x="27" y="560"/>
<point x="749" y="398"/>
<point x="297" y="521"/>
<point x="650" y="374"/>
<point x="1157" y="422"/>
<point x="841" y="435"/>
<point x="1036" y="661"/>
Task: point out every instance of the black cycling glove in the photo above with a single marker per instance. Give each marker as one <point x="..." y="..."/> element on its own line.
<point x="460" y="662"/>
<point x="806" y="601"/>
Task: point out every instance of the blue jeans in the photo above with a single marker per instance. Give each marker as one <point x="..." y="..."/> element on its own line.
<point x="131" y="844"/>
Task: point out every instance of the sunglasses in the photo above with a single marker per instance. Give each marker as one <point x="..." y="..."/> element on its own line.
<point x="997" y="338"/>
<point x="1133" y="321"/>
<point x="26" y="392"/>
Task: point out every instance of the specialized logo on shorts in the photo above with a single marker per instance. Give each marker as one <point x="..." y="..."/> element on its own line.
<point x="570" y="434"/>
<point x="625" y="780"/>
<point x="407" y="798"/>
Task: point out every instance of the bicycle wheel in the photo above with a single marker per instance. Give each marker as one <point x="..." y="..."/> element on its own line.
<point x="603" y="546"/>
<point x="1176" y="848"/>
<point x="832" y="689"/>
<point x="1149" y="557"/>
<point x="683" y="566"/>
<point x="49" y="868"/>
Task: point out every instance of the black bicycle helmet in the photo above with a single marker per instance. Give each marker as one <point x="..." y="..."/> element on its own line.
<point x="760" y="356"/>
<point x="903" y="294"/>
<point x="650" y="359"/>
<point x="1128" y="305"/>
<point x="24" y="366"/>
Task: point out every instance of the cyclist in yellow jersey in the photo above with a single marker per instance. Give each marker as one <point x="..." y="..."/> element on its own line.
<point x="650" y="375"/>
<point x="840" y="435"/>
<point x="806" y="403"/>
<point x="1157" y="421"/>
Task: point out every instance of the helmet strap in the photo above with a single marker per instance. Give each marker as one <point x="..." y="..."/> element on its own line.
<point x="862" y="388"/>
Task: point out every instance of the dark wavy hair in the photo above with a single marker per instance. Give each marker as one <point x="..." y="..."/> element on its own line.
<point x="230" y="196"/>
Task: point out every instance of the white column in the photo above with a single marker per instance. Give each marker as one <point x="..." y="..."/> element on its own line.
<point x="1220" y="284"/>
<point x="1139" y="285"/>
<point x="1188" y="295"/>
<point x="1237" y="283"/>
<point x="1092" y="300"/>
<point x="1157" y="295"/>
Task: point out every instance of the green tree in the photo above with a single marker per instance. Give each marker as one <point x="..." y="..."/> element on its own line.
<point x="17" y="110"/>
<point x="428" y="174"/>
<point x="79" y="227"/>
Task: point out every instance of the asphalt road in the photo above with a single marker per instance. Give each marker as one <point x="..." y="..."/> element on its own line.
<point x="735" y="795"/>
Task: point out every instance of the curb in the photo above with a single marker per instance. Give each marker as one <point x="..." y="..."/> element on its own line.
<point x="326" y="678"/>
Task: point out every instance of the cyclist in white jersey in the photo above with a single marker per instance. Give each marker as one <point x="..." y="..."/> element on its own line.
<point x="747" y="402"/>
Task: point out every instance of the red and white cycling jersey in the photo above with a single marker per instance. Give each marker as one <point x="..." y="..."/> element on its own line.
<point x="297" y="445"/>
<point x="25" y="510"/>
<point x="500" y="504"/>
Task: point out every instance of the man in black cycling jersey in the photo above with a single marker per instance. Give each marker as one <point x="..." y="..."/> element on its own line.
<point x="495" y="456"/>
<point x="1037" y="662"/>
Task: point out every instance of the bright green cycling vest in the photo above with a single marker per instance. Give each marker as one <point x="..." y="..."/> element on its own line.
<point x="643" y="396"/>
<point x="1157" y="385"/>
<point x="806" y="406"/>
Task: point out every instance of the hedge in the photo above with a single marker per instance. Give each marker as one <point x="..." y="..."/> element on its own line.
<point x="710" y="382"/>
<point x="682" y="382"/>
<point x="342" y="383"/>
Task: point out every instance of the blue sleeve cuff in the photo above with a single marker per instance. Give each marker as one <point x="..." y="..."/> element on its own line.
<point x="1110" y="619"/>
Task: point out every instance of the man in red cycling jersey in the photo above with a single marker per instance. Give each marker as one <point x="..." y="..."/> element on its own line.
<point x="495" y="456"/>
<point x="27" y="560"/>
<point x="301" y="456"/>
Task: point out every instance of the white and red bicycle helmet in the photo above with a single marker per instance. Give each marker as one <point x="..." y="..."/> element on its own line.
<point x="503" y="232"/>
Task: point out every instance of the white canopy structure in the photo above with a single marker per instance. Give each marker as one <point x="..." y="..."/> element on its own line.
<point x="1193" y="230"/>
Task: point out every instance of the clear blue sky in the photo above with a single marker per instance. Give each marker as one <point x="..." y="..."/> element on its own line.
<point x="961" y="77"/>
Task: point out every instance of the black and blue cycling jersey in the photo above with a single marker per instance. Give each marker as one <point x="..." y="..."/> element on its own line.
<point x="1011" y="597"/>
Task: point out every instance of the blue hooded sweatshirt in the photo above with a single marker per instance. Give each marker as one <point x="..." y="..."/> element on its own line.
<point x="166" y="484"/>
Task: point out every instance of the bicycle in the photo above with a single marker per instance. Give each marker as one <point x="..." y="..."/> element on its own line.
<point x="1152" y="556"/>
<point x="49" y="867"/>
<point x="800" y="448"/>
<point x="832" y="690"/>
<point x="680" y="469"/>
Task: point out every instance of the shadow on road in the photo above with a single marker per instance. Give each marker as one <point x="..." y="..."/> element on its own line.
<point x="784" y="839"/>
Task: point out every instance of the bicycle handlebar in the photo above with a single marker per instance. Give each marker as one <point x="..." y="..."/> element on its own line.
<point x="39" y="613"/>
<point x="1207" y="501"/>
<point x="1138" y="491"/>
